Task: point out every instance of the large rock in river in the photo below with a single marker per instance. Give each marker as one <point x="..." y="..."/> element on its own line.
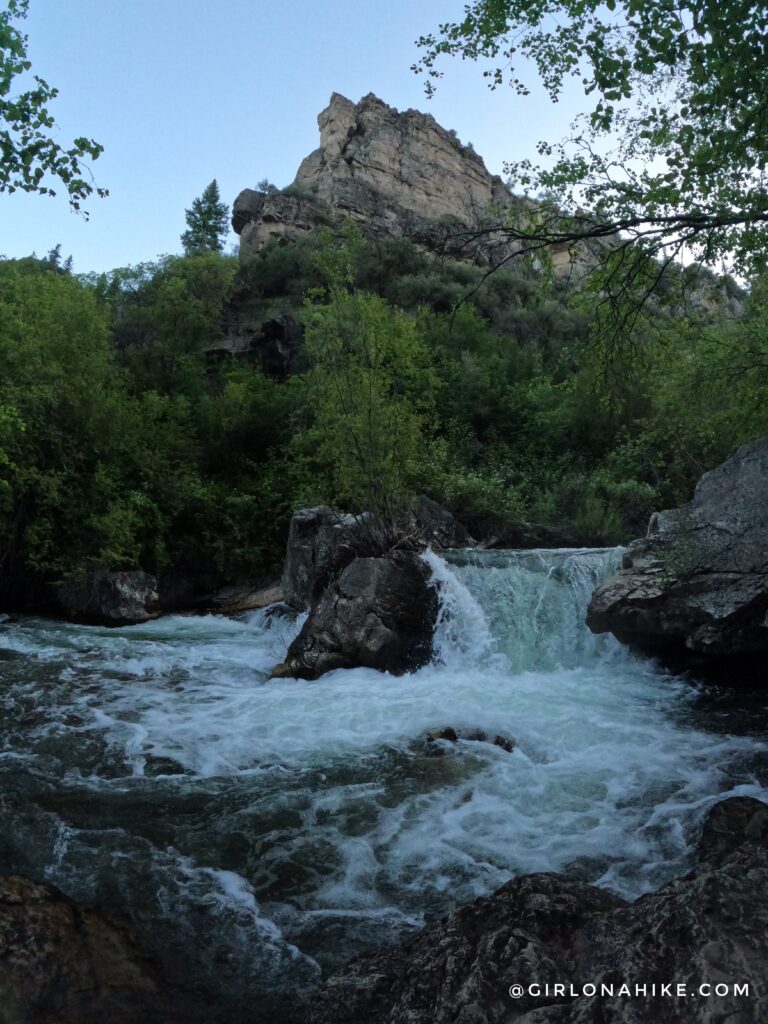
<point x="708" y="928"/>
<point x="697" y="584"/>
<point x="322" y="542"/>
<point x="104" y="598"/>
<point x="380" y="613"/>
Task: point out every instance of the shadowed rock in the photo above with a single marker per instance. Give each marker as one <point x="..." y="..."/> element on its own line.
<point x="709" y="927"/>
<point x="61" y="963"/>
<point x="110" y="598"/>
<point x="380" y="614"/>
<point x="322" y="542"/>
<point x="697" y="585"/>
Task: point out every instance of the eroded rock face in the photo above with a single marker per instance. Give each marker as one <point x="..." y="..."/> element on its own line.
<point x="104" y="598"/>
<point x="60" y="963"/>
<point x="708" y="927"/>
<point x="697" y="584"/>
<point x="380" y="614"/>
<point x="393" y="172"/>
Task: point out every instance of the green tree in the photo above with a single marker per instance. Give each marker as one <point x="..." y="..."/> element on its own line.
<point x="368" y="392"/>
<point x="672" y="154"/>
<point x="207" y="223"/>
<point x="165" y="316"/>
<point x="32" y="158"/>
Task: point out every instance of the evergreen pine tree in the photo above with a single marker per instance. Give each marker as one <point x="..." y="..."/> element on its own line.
<point x="207" y="223"/>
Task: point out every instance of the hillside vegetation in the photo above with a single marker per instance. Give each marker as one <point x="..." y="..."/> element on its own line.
<point x="135" y="432"/>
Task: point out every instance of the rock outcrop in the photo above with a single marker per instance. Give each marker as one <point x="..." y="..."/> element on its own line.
<point x="103" y="598"/>
<point x="707" y="928"/>
<point x="393" y="172"/>
<point x="272" y="345"/>
<point x="380" y="613"/>
<point x="696" y="586"/>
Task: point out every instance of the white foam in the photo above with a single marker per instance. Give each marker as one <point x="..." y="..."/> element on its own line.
<point x="607" y="764"/>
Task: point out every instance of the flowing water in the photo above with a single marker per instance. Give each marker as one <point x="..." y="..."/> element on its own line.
<point x="259" y="832"/>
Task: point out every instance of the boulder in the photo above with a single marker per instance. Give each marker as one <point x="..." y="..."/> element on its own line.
<point x="61" y="963"/>
<point x="380" y="614"/>
<point x="707" y="928"/>
<point x="696" y="586"/>
<point x="435" y="526"/>
<point x="103" y="598"/>
<point x="322" y="542"/>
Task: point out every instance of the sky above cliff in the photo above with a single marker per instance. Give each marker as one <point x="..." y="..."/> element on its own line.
<point x="183" y="91"/>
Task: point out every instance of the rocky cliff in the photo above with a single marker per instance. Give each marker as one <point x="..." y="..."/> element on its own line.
<point x="393" y="172"/>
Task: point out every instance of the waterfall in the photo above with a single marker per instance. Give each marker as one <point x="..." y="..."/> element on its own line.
<point x="522" y="609"/>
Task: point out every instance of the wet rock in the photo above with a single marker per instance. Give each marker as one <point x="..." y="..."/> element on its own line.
<point x="104" y="598"/>
<point x="732" y="823"/>
<point x="321" y="543"/>
<point x="233" y="600"/>
<point x="433" y="525"/>
<point x="708" y="927"/>
<point x="380" y="614"/>
<point x="696" y="587"/>
<point x="61" y="963"/>
<point x="447" y="733"/>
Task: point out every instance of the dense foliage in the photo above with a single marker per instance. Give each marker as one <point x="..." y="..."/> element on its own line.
<point x="137" y="427"/>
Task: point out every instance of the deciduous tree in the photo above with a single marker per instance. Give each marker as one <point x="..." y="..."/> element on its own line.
<point x="31" y="158"/>
<point x="671" y="150"/>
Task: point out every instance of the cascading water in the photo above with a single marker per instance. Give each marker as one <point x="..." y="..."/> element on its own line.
<point x="256" y="830"/>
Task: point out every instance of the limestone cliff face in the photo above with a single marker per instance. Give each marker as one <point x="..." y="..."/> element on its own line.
<point x="393" y="172"/>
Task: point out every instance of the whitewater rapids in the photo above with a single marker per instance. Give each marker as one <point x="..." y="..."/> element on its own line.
<point x="158" y="768"/>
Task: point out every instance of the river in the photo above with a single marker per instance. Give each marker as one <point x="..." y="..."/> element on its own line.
<point x="259" y="832"/>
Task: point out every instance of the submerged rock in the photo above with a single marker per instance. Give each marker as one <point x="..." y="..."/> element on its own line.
<point x="451" y="735"/>
<point x="380" y="614"/>
<point x="697" y="585"/>
<point x="103" y="598"/>
<point x="709" y="927"/>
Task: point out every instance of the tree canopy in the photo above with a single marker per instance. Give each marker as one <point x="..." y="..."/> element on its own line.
<point x="32" y="159"/>
<point x="672" y="148"/>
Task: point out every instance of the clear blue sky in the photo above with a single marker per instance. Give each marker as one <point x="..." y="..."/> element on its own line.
<point x="183" y="91"/>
